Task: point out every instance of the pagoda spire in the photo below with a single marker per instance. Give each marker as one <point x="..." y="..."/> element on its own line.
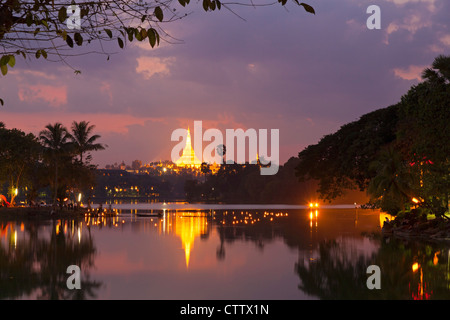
<point x="188" y="157"/>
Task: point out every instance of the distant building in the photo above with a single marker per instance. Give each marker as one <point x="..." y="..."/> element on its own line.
<point x="188" y="157"/>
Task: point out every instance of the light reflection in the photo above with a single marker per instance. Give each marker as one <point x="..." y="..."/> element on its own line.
<point x="188" y="228"/>
<point x="384" y="217"/>
<point x="313" y="218"/>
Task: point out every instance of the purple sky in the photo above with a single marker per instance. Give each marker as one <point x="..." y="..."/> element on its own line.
<point x="282" y="68"/>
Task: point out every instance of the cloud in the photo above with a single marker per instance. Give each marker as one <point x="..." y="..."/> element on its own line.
<point x="410" y="73"/>
<point x="445" y="40"/>
<point x="431" y="4"/>
<point x="149" y="66"/>
<point x="55" y="96"/>
<point x="411" y="23"/>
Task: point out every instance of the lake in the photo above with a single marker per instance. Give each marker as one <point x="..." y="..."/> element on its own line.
<point x="219" y="252"/>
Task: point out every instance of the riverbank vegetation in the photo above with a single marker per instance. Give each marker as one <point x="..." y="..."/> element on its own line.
<point x="399" y="155"/>
<point x="56" y="162"/>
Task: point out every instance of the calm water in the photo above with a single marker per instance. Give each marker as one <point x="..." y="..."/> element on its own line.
<point x="222" y="253"/>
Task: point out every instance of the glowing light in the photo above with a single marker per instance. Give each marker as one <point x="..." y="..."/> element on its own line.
<point x="435" y="258"/>
<point x="415" y="267"/>
<point x="415" y="200"/>
<point x="188" y="157"/>
<point x="79" y="197"/>
<point x="188" y="229"/>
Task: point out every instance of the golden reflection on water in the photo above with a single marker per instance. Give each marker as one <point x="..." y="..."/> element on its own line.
<point x="188" y="228"/>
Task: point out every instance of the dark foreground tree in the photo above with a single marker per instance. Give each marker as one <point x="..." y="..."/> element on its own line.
<point x="57" y="151"/>
<point x="424" y="135"/>
<point x="83" y="139"/>
<point x="18" y="154"/>
<point x="51" y="28"/>
<point x="341" y="161"/>
<point x="396" y="154"/>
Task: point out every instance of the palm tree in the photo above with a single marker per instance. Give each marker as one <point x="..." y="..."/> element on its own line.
<point x="82" y="140"/>
<point x="56" y="141"/>
<point x="439" y="71"/>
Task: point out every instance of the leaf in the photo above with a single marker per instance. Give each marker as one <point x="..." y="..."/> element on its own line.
<point x="4" y="60"/>
<point x="44" y="53"/>
<point x="158" y="13"/>
<point x="62" y="14"/>
<point x="78" y="39"/>
<point x="1" y="101"/>
<point x="29" y="19"/>
<point x="206" y="5"/>
<point x="12" y="61"/>
<point x="182" y="2"/>
<point x="130" y="34"/>
<point x="69" y="41"/>
<point x="137" y="35"/>
<point x="23" y="54"/>
<point x="120" y="41"/>
<point x="109" y="33"/>
<point x="219" y="4"/>
<point x="4" y="69"/>
<point x="143" y="18"/>
<point x="151" y="37"/>
<point x="38" y="54"/>
<point x="44" y="22"/>
<point x="143" y="33"/>
<point x="308" y="8"/>
<point x="157" y="37"/>
<point x="84" y="12"/>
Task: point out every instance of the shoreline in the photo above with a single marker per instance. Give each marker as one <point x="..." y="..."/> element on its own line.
<point x="435" y="230"/>
<point x="30" y="213"/>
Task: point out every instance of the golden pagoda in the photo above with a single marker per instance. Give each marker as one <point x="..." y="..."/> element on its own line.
<point x="188" y="157"/>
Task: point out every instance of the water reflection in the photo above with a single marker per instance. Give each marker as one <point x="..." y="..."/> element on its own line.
<point x="34" y="257"/>
<point x="338" y="273"/>
<point x="331" y="250"/>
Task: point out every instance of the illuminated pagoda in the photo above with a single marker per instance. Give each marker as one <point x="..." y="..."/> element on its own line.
<point x="188" y="157"/>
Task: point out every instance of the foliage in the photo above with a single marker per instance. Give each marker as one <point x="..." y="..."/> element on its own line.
<point x="83" y="140"/>
<point x="243" y="183"/>
<point x="54" y="159"/>
<point x="396" y="154"/>
<point x="18" y="153"/>
<point x="341" y="161"/>
<point x="424" y="135"/>
<point x="46" y="28"/>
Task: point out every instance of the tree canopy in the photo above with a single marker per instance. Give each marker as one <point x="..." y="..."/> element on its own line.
<point x="51" y="29"/>
<point x="53" y="160"/>
<point x="399" y="154"/>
